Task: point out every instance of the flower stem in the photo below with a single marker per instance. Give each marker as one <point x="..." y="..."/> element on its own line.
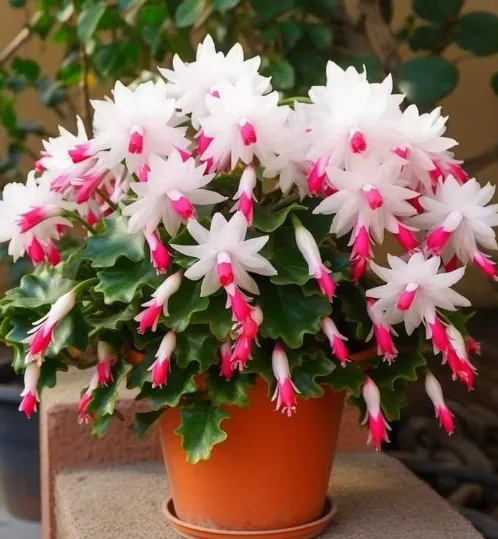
<point x="80" y="287"/>
<point x="75" y="217"/>
<point x="286" y="202"/>
<point x="103" y="196"/>
<point x="290" y="101"/>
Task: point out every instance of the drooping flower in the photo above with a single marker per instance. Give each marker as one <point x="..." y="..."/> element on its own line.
<point x="377" y="424"/>
<point x="30" y="396"/>
<point x="30" y="219"/>
<point x="149" y="317"/>
<point x="172" y="188"/>
<point x="443" y="413"/>
<point x="309" y="249"/>
<point x="161" y="366"/>
<point x="243" y="124"/>
<point x="247" y="330"/>
<point x="336" y="340"/>
<point x="106" y="355"/>
<point x="227" y="238"/>
<point x="352" y="116"/>
<point x="285" y="392"/>
<point x="460" y="221"/>
<point x="41" y="335"/>
<point x="383" y="334"/>
<point x="414" y="290"/>
<point x="436" y="331"/>
<point x="159" y="255"/>
<point x="245" y="194"/>
<point x="84" y="416"/>
<point x="191" y="82"/>
<point x="138" y="123"/>
<point x="458" y="360"/>
<point x="227" y="368"/>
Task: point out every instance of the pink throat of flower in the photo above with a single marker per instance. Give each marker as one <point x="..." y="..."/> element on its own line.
<point x="225" y="273"/>
<point x="248" y="133"/>
<point x="136" y="140"/>
<point x="373" y="197"/>
<point x="357" y="142"/>
<point x="407" y="297"/>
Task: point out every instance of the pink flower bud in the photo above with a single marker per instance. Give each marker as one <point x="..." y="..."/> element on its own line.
<point x="373" y="197"/>
<point x="316" y="177"/>
<point x="285" y="392"/>
<point x="161" y="367"/>
<point x="53" y="254"/>
<point x="438" y="238"/>
<point x="80" y="152"/>
<point x="181" y="205"/>
<point x="382" y="332"/>
<point x="87" y="186"/>
<point x="136" y="140"/>
<point x="241" y="353"/>
<point x="435" y="393"/>
<point x="35" y="252"/>
<point x="240" y="307"/>
<point x="247" y="132"/>
<point x="361" y="243"/>
<point x="227" y="368"/>
<point x="224" y="269"/>
<point x="30" y="392"/>
<point x="336" y="340"/>
<point x="358" y="268"/>
<point x="106" y="355"/>
<point x="406" y="298"/>
<point x="84" y="416"/>
<point x="439" y="336"/>
<point x="406" y="238"/>
<point x="357" y="142"/>
<point x="159" y="255"/>
<point x="377" y="424"/>
<point x="487" y="266"/>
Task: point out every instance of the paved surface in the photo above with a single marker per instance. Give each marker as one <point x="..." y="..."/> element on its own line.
<point x="11" y="528"/>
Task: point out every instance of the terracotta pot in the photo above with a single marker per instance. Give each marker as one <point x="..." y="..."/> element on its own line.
<point x="272" y="472"/>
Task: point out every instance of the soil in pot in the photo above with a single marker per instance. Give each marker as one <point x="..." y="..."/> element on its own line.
<point x="19" y="450"/>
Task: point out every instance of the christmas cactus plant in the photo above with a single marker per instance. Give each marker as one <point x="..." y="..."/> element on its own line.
<point x="230" y="234"/>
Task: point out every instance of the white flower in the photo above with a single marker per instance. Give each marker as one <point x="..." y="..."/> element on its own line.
<point x="368" y="195"/>
<point x="191" y="82"/>
<point x="423" y="141"/>
<point x="19" y="199"/>
<point x="243" y="123"/>
<point x="225" y="243"/>
<point x="458" y="217"/>
<point x="291" y="164"/>
<point x="172" y="187"/>
<point x="138" y="123"/>
<point x="349" y="115"/>
<point x="414" y="290"/>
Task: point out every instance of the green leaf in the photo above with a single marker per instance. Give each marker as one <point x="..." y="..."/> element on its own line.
<point x="426" y="38"/>
<point x="349" y="378"/>
<point x="268" y="220"/>
<point x="354" y="308"/>
<point x="392" y="402"/>
<point x="404" y="368"/>
<point x="196" y="346"/>
<point x="121" y="282"/>
<point x="101" y="425"/>
<point x="225" y="5"/>
<point x="305" y="375"/>
<point x="140" y="374"/>
<point x="48" y="372"/>
<point x="26" y="67"/>
<point x="89" y="19"/>
<point x="104" y="320"/>
<point x="184" y="303"/>
<point x="152" y="19"/>
<point x="289" y="314"/>
<point x="200" y="430"/>
<point x="217" y="316"/>
<point x="478" y="33"/>
<point x="232" y="391"/>
<point x="266" y="11"/>
<point x="427" y="79"/>
<point x="188" y="12"/>
<point x="180" y="382"/>
<point x="104" y="398"/>
<point x="260" y="363"/>
<point x="321" y="36"/>
<point x="494" y="83"/>
<point x="291" y="32"/>
<point x="282" y="74"/>
<point x="437" y="11"/>
<point x="143" y="421"/>
<point x="17" y="3"/>
<point x="114" y="242"/>
<point x="291" y="266"/>
<point x="70" y="332"/>
<point x="126" y="4"/>
<point x="37" y="289"/>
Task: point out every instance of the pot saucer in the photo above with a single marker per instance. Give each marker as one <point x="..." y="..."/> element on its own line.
<point x="305" y="531"/>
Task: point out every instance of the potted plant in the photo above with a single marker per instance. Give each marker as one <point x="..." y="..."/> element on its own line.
<point x="224" y="275"/>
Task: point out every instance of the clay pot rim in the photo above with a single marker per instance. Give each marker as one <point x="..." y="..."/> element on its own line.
<point x="328" y="513"/>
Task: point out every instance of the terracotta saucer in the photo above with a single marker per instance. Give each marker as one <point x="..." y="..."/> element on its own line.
<point x="305" y="531"/>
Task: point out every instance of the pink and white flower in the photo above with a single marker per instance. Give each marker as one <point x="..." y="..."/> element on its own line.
<point x="377" y="424"/>
<point x="30" y="219"/>
<point x="136" y="124"/>
<point x="172" y="188"/>
<point x="245" y="194"/>
<point x="443" y="413"/>
<point x="336" y="340"/>
<point x="243" y="124"/>
<point x="285" y="392"/>
<point x="149" y="317"/>
<point x="227" y="367"/>
<point x="191" y="82"/>
<point x="309" y="249"/>
<point x="460" y="222"/>
<point x="41" y="335"/>
<point x="84" y="416"/>
<point x="383" y="333"/>
<point x="162" y="365"/>
<point x="159" y="255"/>
<point x="414" y="290"/>
<point x="30" y="396"/>
<point x="106" y="356"/>
<point x="225" y="241"/>
<point x="458" y="360"/>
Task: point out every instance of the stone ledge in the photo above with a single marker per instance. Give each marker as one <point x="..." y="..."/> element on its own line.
<point x="378" y="498"/>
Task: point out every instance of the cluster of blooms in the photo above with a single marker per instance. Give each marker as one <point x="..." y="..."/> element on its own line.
<point x="374" y="166"/>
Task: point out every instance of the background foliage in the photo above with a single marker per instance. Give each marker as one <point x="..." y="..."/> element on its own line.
<point x="105" y="40"/>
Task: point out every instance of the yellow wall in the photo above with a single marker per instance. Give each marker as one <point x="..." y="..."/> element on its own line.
<point x="473" y="108"/>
